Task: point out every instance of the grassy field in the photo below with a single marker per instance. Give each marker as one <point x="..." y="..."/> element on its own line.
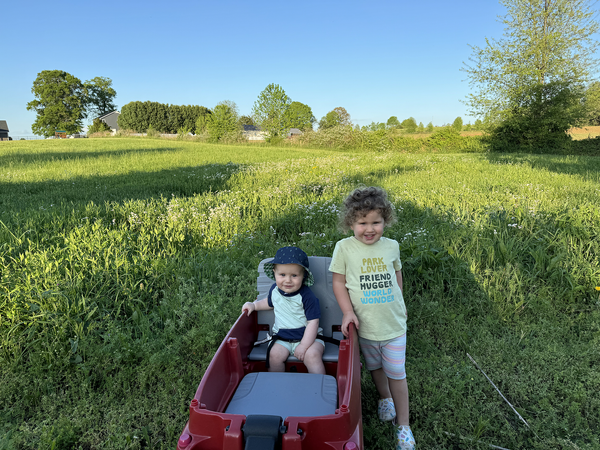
<point x="125" y="261"/>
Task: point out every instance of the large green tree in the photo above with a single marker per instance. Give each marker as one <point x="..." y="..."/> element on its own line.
<point x="269" y="111"/>
<point x="329" y="120"/>
<point x="60" y="103"/>
<point x="548" y="51"/>
<point x="458" y="124"/>
<point x="223" y="120"/>
<point x="393" y="122"/>
<point x="300" y="116"/>
<point x="336" y="117"/>
<point x="100" y="96"/>
<point x="409" y="125"/>
<point x="344" y="115"/>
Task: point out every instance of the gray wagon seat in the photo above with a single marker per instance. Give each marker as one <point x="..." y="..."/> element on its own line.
<point x="331" y="315"/>
<point x="292" y="394"/>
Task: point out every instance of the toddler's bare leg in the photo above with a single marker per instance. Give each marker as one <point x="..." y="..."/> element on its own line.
<point x="277" y="358"/>
<point x="313" y="358"/>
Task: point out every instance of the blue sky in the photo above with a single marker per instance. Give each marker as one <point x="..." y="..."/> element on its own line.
<point x="376" y="59"/>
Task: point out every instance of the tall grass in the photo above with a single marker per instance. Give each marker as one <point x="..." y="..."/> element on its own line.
<point x="125" y="261"/>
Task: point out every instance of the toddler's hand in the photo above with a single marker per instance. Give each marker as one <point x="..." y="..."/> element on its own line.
<point x="248" y="308"/>
<point x="349" y="318"/>
<point x="300" y="351"/>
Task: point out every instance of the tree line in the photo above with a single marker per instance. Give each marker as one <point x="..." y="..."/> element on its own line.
<point x="527" y="89"/>
<point x="164" y="118"/>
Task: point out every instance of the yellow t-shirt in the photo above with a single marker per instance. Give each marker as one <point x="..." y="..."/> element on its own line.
<point x="370" y="272"/>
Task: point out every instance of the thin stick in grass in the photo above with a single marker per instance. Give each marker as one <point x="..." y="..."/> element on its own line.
<point x="488" y="378"/>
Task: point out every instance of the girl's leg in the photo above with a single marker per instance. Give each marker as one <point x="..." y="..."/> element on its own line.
<point x="399" y="390"/>
<point x="385" y="405"/>
<point x="313" y="358"/>
<point x="277" y="358"/>
<point x="381" y="383"/>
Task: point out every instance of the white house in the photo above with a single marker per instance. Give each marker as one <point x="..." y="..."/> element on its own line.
<point x="111" y="119"/>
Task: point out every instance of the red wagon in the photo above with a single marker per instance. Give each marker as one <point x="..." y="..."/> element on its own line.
<point x="240" y="405"/>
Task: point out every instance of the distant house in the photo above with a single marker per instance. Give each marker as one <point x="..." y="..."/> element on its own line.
<point x="3" y="130"/>
<point x="253" y="133"/>
<point x="110" y="119"/>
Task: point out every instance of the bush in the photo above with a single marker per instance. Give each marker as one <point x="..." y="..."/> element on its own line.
<point x="457" y="124"/>
<point x="448" y="138"/>
<point x="222" y="122"/>
<point x="98" y="126"/>
<point x="539" y="120"/>
<point x="409" y="125"/>
<point x="182" y="133"/>
<point x="233" y="137"/>
<point x="342" y="137"/>
<point x="151" y="132"/>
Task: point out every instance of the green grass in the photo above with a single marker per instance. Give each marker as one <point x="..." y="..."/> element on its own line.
<point x="125" y="261"/>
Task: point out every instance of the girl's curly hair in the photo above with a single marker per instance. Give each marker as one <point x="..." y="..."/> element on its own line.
<point x="364" y="200"/>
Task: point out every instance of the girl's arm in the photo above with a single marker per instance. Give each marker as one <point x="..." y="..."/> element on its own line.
<point x="258" y="305"/>
<point x="343" y="298"/>
<point x="399" y="280"/>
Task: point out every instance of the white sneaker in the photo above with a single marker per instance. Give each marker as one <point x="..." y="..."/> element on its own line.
<point x="386" y="409"/>
<point x="406" y="440"/>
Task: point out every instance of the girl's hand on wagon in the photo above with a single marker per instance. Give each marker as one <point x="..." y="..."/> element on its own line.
<point x="349" y="317"/>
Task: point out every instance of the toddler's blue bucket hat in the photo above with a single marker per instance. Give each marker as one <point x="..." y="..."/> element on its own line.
<point x="290" y="255"/>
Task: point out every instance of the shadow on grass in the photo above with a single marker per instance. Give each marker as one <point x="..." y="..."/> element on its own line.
<point x="180" y="182"/>
<point x="587" y="168"/>
<point x="45" y="157"/>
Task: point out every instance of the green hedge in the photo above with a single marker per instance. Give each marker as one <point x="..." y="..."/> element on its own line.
<point x="344" y="137"/>
<point x="164" y="118"/>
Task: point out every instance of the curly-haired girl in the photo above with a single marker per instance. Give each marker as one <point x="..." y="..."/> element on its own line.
<point x="367" y="283"/>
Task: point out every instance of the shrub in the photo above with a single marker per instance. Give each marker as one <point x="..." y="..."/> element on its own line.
<point x="539" y="120"/>
<point x="182" y="133"/>
<point x="381" y="140"/>
<point x="342" y="137"/>
<point x="457" y="124"/>
<point x="223" y="121"/>
<point x="233" y="137"/>
<point x="98" y="126"/>
<point x="448" y="139"/>
<point x="151" y="132"/>
<point x="409" y="125"/>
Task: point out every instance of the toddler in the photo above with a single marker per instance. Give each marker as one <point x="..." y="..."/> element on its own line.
<point x="367" y="283"/>
<point x="296" y="309"/>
